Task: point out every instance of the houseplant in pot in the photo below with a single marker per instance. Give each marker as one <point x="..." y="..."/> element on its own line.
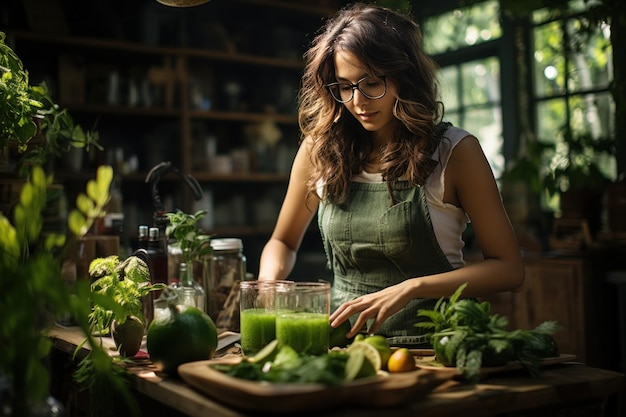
<point x="33" y="128"/>
<point x="118" y="290"/>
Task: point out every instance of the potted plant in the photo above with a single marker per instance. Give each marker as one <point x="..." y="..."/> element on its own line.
<point x="117" y="290"/>
<point x="31" y="123"/>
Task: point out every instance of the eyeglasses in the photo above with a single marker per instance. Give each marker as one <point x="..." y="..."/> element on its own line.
<point x="372" y="87"/>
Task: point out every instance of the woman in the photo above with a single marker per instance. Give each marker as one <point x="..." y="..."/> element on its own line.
<point x="393" y="186"/>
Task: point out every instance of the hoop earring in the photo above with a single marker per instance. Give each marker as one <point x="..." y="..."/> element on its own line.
<point x="339" y="115"/>
<point x="395" y="108"/>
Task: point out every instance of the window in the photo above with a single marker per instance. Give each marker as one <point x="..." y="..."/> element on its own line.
<point x="572" y="64"/>
<point x="464" y="43"/>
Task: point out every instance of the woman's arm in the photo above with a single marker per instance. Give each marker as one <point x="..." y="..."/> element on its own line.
<point x="469" y="183"/>
<point x="279" y="254"/>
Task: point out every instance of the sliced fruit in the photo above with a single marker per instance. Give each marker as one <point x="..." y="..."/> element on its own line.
<point x="370" y="353"/>
<point x="382" y="346"/>
<point x="401" y="360"/>
<point x="267" y="353"/>
<point x="354" y="364"/>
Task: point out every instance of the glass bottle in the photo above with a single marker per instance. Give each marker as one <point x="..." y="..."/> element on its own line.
<point x="142" y="237"/>
<point x="157" y="263"/>
<point x="157" y="256"/>
<point x="189" y="291"/>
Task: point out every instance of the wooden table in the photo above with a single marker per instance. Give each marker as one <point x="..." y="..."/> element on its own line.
<point x="570" y="389"/>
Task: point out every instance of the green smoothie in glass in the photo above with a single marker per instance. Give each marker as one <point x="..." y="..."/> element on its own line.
<point x="304" y="332"/>
<point x="258" y="328"/>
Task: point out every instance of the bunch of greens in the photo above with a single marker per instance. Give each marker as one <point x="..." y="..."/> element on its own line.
<point x="183" y="229"/>
<point x="287" y="366"/>
<point x="464" y="334"/>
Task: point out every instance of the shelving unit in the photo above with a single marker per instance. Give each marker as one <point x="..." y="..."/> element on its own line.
<point x="211" y="89"/>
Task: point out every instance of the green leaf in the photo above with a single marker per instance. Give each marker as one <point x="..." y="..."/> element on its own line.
<point x="76" y="223"/>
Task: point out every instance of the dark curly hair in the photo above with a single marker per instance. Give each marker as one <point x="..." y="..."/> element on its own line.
<point x="389" y="43"/>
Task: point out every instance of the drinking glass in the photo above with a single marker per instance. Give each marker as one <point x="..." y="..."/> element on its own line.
<point x="257" y="313"/>
<point x="302" y="317"/>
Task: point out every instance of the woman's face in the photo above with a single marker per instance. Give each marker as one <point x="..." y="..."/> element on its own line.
<point x="375" y="115"/>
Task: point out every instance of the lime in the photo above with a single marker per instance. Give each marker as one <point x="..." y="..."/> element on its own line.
<point x="337" y="335"/>
<point x="179" y="335"/>
<point x="381" y="345"/>
<point x="370" y="353"/>
<point x="354" y="364"/>
<point x="267" y="353"/>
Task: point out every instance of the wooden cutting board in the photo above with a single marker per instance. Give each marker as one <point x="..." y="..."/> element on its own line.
<point x="383" y="390"/>
<point x="430" y="363"/>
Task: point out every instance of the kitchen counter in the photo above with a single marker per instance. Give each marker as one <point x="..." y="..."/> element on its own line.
<point x="571" y="389"/>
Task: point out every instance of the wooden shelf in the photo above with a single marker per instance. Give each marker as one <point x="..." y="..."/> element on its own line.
<point x="124" y="110"/>
<point x="242" y="116"/>
<point x="252" y="177"/>
<point x="147" y="49"/>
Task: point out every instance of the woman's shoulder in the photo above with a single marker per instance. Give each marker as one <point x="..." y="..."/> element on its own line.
<point x="451" y="136"/>
<point x="454" y="135"/>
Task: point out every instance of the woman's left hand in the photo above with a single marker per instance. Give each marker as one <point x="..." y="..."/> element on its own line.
<point x="379" y="306"/>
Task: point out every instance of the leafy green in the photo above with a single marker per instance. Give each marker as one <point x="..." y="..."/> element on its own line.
<point x="32" y="292"/>
<point x="465" y="334"/>
<point x="290" y="367"/>
<point x="183" y="229"/>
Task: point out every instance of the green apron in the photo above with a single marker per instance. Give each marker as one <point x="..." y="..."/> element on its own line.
<point x="371" y="244"/>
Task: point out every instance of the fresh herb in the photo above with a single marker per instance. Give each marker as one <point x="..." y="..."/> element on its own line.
<point x="289" y="367"/>
<point x="464" y="334"/>
<point x="184" y="230"/>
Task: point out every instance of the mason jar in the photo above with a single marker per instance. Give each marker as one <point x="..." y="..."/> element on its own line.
<point x="227" y="265"/>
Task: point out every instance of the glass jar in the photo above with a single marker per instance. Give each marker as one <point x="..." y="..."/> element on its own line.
<point x="227" y="265"/>
<point x="189" y="291"/>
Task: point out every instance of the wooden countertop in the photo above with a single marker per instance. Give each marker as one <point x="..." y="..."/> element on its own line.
<point x="570" y="386"/>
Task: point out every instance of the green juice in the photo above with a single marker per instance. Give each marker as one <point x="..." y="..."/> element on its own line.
<point x="257" y="328"/>
<point x="304" y="332"/>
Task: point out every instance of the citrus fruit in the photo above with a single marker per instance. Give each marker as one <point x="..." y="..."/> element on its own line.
<point x="178" y="335"/>
<point x="337" y="335"/>
<point x="381" y="345"/>
<point x="267" y="353"/>
<point x="370" y="353"/>
<point x="401" y="360"/>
